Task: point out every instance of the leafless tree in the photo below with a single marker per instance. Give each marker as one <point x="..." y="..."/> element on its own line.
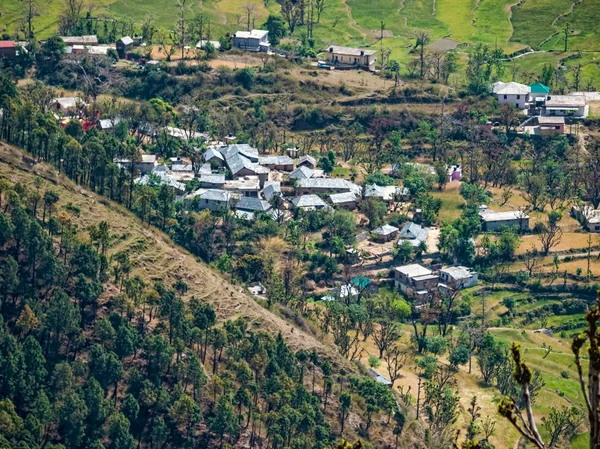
<point x="531" y="259"/>
<point x="395" y="360"/>
<point x="249" y="9"/>
<point x="71" y="15"/>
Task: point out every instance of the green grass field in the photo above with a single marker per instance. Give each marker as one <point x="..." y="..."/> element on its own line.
<point x="542" y="13"/>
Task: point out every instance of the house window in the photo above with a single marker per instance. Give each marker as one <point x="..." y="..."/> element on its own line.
<point x="506" y="97"/>
<point x="557" y="127"/>
<point x="518" y="97"/>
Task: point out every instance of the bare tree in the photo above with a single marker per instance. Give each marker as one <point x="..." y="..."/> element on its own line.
<point x="249" y="9"/>
<point x="71" y="15"/>
<point x="531" y="259"/>
<point x="180" y="37"/>
<point x="395" y="360"/>
<point x="30" y="9"/>
<point x="422" y="39"/>
<point x="551" y="234"/>
<point x="291" y="13"/>
<point x="320" y="6"/>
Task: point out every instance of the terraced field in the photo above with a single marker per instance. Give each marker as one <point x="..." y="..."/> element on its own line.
<point x="508" y="24"/>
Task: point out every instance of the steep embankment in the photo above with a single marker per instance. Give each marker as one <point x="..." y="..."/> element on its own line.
<point x="153" y="255"/>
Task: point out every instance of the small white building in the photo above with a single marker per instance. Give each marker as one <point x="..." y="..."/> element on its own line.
<point x="415" y="280"/>
<point x="587" y="216"/>
<point x="348" y="57"/>
<point x="512" y="93"/>
<point x="457" y="278"/>
<point x="566" y="105"/>
<point x="255" y="40"/>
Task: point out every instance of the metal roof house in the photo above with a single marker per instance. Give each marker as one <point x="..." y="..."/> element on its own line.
<point x="302" y="172"/>
<point x="493" y="221"/>
<point x="212" y="181"/>
<point x="349" y="58"/>
<point x="307" y="161"/>
<point x="282" y="163"/>
<point x="346" y="200"/>
<point x="250" y="204"/>
<point x="8" y="50"/>
<point x="413" y="234"/>
<point x="326" y="185"/>
<point x="587" y="216"/>
<point x="271" y="188"/>
<point x="385" y="233"/>
<point x="512" y="93"/>
<point x="387" y="193"/>
<point x="255" y="40"/>
<point x="379" y="378"/>
<point x="90" y="39"/>
<point x="308" y="202"/>
<point x="214" y="199"/>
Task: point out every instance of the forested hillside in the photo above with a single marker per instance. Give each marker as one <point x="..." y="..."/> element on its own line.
<point x="97" y="349"/>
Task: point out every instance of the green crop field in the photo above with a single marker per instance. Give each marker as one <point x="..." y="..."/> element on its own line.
<point x="537" y="24"/>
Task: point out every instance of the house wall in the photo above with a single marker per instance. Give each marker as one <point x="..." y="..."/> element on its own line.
<point x="211" y="204"/>
<point x="359" y="61"/>
<point x="522" y="224"/>
<point x="581" y="112"/>
<point x="350" y="205"/>
<point x="550" y="130"/>
<point x="8" y="53"/>
<point x="249" y="44"/>
<point x="519" y="100"/>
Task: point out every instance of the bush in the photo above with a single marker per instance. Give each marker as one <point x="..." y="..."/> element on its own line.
<point x="564" y="374"/>
<point x="436" y="345"/>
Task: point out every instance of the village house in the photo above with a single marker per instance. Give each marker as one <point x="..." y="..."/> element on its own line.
<point x="385" y="233"/>
<point x="271" y="189"/>
<point x="254" y="205"/>
<point x="512" y="93"/>
<point x="182" y="134"/>
<point x="307" y="161"/>
<point x="163" y="179"/>
<point x="281" y="163"/>
<point x="414" y="234"/>
<point x="457" y="278"/>
<point x="68" y="106"/>
<point x="244" y="186"/>
<point x="387" y="194"/>
<point x="415" y="281"/>
<point x="212" y="181"/>
<point x="214" y="199"/>
<point x="124" y="45"/>
<point x="255" y="40"/>
<point x="101" y="50"/>
<point x="538" y="93"/>
<point x="326" y="185"/>
<point x="587" y="216"/>
<point x="379" y="378"/>
<point x="346" y="200"/>
<point x="302" y="172"/>
<point x="182" y="172"/>
<point x="347" y="57"/>
<point x="244" y="149"/>
<point x="454" y="173"/>
<point x="493" y="221"/>
<point x="8" y="50"/>
<point x="241" y="166"/>
<point x="308" y="202"/>
<point x="566" y="105"/>
<point x="213" y="154"/>
<point x="80" y="40"/>
<point x="146" y="165"/>
<point x="550" y="125"/>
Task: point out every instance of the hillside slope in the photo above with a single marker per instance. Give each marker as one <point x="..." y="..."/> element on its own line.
<point x="154" y="256"/>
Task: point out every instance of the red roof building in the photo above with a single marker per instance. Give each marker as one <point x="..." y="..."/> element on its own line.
<point x="8" y="49"/>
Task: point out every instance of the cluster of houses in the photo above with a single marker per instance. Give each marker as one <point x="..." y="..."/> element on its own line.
<point x="549" y="110"/>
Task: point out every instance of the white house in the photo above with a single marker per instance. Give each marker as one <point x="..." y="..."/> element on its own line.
<point x="255" y="40"/>
<point x="513" y="93"/>
<point x="567" y="105"/>
<point x="347" y="57"/>
<point x="457" y="278"/>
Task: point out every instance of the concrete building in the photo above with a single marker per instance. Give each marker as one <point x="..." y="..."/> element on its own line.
<point x="124" y="45"/>
<point x="388" y="194"/>
<point x="566" y="105"/>
<point x="244" y="186"/>
<point x="550" y="125"/>
<point x="255" y="40"/>
<point x="385" y="233"/>
<point x="493" y="221"/>
<point x="512" y="93"/>
<point x="351" y="58"/>
<point x="214" y="199"/>
<point x="415" y="281"/>
<point x="457" y="278"/>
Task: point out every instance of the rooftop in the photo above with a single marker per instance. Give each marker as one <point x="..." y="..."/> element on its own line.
<point x="8" y="44"/>
<point x="413" y="270"/>
<point x="275" y="160"/>
<point x="308" y="201"/>
<point x="385" y="230"/>
<point x="457" y="273"/>
<point x="88" y="39"/>
<point x="386" y="193"/>
<point x="270" y="189"/>
<point x="257" y="34"/>
<point x="68" y="102"/>
<point x="301" y="172"/>
<point x="340" y="198"/>
<point x="217" y="178"/>
<point x="511" y="88"/>
<point x="246" y="183"/>
<point x="126" y="40"/>
<point x="253" y="204"/>
<point x="307" y="158"/>
<point x="350" y="51"/>
<point x="328" y="184"/>
<point x="490" y="215"/>
<point x="148" y="158"/>
<point x="566" y="100"/>
<point x="551" y="120"/>
<point x="216" y="195"/>
<point x="414" y="233"/>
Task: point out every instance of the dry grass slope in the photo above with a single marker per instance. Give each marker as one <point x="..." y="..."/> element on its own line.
<point x="154" y="256"/>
